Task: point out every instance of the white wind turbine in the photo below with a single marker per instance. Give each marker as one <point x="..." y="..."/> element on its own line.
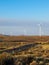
<point x="24" y="32"/>
<point x="11" y="33"/>
<point x="3" y="33"/>
<point x="40" y="30"/>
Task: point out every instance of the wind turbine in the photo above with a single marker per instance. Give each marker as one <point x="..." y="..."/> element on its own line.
<point x="40" y="30"/>
<point x="24" y="32"/>
<point x="10" y="33"/>
<point x="3" y="33"/>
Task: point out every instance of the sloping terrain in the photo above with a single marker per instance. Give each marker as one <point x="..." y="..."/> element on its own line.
<point x="4" y="38"/>
<point x="26" y="50"/>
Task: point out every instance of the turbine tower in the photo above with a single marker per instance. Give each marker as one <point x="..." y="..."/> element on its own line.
<point x="3" y="33"/>
<point x="10" y="33"/>
<point x="40" y="31"/>
<point x="24" y="32"/>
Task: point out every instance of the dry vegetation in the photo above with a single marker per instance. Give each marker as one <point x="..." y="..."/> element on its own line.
<point x="24" y="50"/>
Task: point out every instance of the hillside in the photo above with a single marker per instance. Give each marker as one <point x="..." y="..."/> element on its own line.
<point x="25" y="50"/>
<point x="24" y="38"/>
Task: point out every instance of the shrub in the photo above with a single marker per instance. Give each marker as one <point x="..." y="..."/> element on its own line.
<point x="6" y="59"/>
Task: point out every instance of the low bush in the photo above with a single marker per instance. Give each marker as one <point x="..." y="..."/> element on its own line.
<point x="6" y="59"/>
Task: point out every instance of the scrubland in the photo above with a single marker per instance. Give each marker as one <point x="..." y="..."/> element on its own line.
<point x="24" y="50"/>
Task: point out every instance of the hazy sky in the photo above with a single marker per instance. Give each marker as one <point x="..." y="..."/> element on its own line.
<point x="19" y="17"/>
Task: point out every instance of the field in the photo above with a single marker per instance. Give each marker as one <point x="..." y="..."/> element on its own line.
<point x="24" y="50"/>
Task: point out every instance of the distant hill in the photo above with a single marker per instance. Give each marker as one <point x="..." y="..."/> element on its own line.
<point x="24" y="38"/>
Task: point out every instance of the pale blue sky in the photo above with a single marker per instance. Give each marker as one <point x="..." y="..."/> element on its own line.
<point x="19" y="15"/>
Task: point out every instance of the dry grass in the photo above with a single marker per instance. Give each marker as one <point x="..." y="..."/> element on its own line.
<point x="23" y="57"/>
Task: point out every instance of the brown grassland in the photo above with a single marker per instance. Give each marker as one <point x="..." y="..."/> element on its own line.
<point x="24" y="50"/>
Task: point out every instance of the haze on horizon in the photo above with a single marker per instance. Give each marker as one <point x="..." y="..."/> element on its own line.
<point x="21" y="17"/>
